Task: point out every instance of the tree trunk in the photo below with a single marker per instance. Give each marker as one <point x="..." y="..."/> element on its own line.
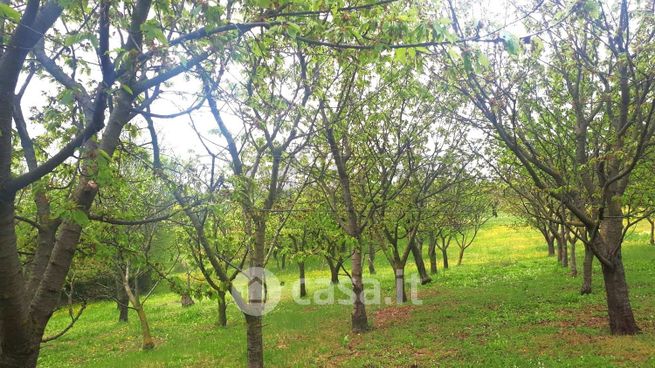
<point x="122" y="301"/>
<point x="17" y="347"/>
<point x="186" y="300"/>
<point x="123" y="310"/>
<point x="20" y="333"/>
<point x="359" y="319"/>
<point x="47" y="296"/>
<point x="148" y="342"/>
<point x="371" y="258"/>
<point x="444" y="257"/>
<point x="432" y="253"/>
<point x="284" y="261"/>
<point x="222" y="309"/>
<point x="420" y="264"/>
<point x="303" y="287"/>
<point x="255" y="341"/>
<point x="562" y="255"/>
<point x="401" y="295"/>
<point x="256" y="296"/>
<point x="574" y="261"/>
<point x="461" y="256"/>
<point x="334" y="276"/>
<point x="353" y="229"/>
<point x="588" y="267"/>
<point x="652" y="230"/>
<point x="560" y="248"/>
<point x="45" y="243"/>
<point x="621" y="318"/>
<point x="551" y="247"/>
<point x="334" y="270"/>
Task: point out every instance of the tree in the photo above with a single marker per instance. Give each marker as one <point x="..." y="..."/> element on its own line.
<point x="429" y="169"/>
<point x="353" y="183"/>
<point x="25" y="313"/>
<point x="126" y="233"/>
<point x="594" y="93"/>
<point x="474" y="210"/>
<point x="213" y="229"/>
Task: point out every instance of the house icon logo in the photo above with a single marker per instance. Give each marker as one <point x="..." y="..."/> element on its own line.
<point x="256" y="291"/>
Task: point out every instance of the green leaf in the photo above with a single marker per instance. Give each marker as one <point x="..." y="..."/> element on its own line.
<point x="127" y="89"/>
<point x="512" y="44"/>
<point x="75" y="38"/>
<point x="79" y="217"/>
<point x="214" y="14"/>
<point x="483" y="60"/>
<point x="400" y="55"/>
<point x="293" y="29"/>
<point x="592" y="8"/>
<point x="257" y="50"/>
<point x="66" y="97"/>
<point x="467" y="62"/>
<point x="10" y="13"/>
<point x="453" y="53"/>
<point x="152" y="31"/>
<point x="104" y="154"/>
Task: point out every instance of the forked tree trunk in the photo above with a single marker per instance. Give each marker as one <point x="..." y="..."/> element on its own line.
<point x="652" y="230"/>
<point x="420" y="264"/>
<point x="20" y="329"/>
<point x="222" y="309"/>
<point x="301" y="271"/>
<point x="587" y="269"/>
<point x="46" y="298"/>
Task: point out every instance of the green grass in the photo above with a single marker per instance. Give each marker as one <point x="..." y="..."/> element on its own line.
<point x="508" y="305"/>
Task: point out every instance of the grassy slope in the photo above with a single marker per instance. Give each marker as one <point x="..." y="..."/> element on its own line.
<point x="508" y="305"/>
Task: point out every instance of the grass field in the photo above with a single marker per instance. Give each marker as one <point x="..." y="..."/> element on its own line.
<point x="508" y="305"/>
